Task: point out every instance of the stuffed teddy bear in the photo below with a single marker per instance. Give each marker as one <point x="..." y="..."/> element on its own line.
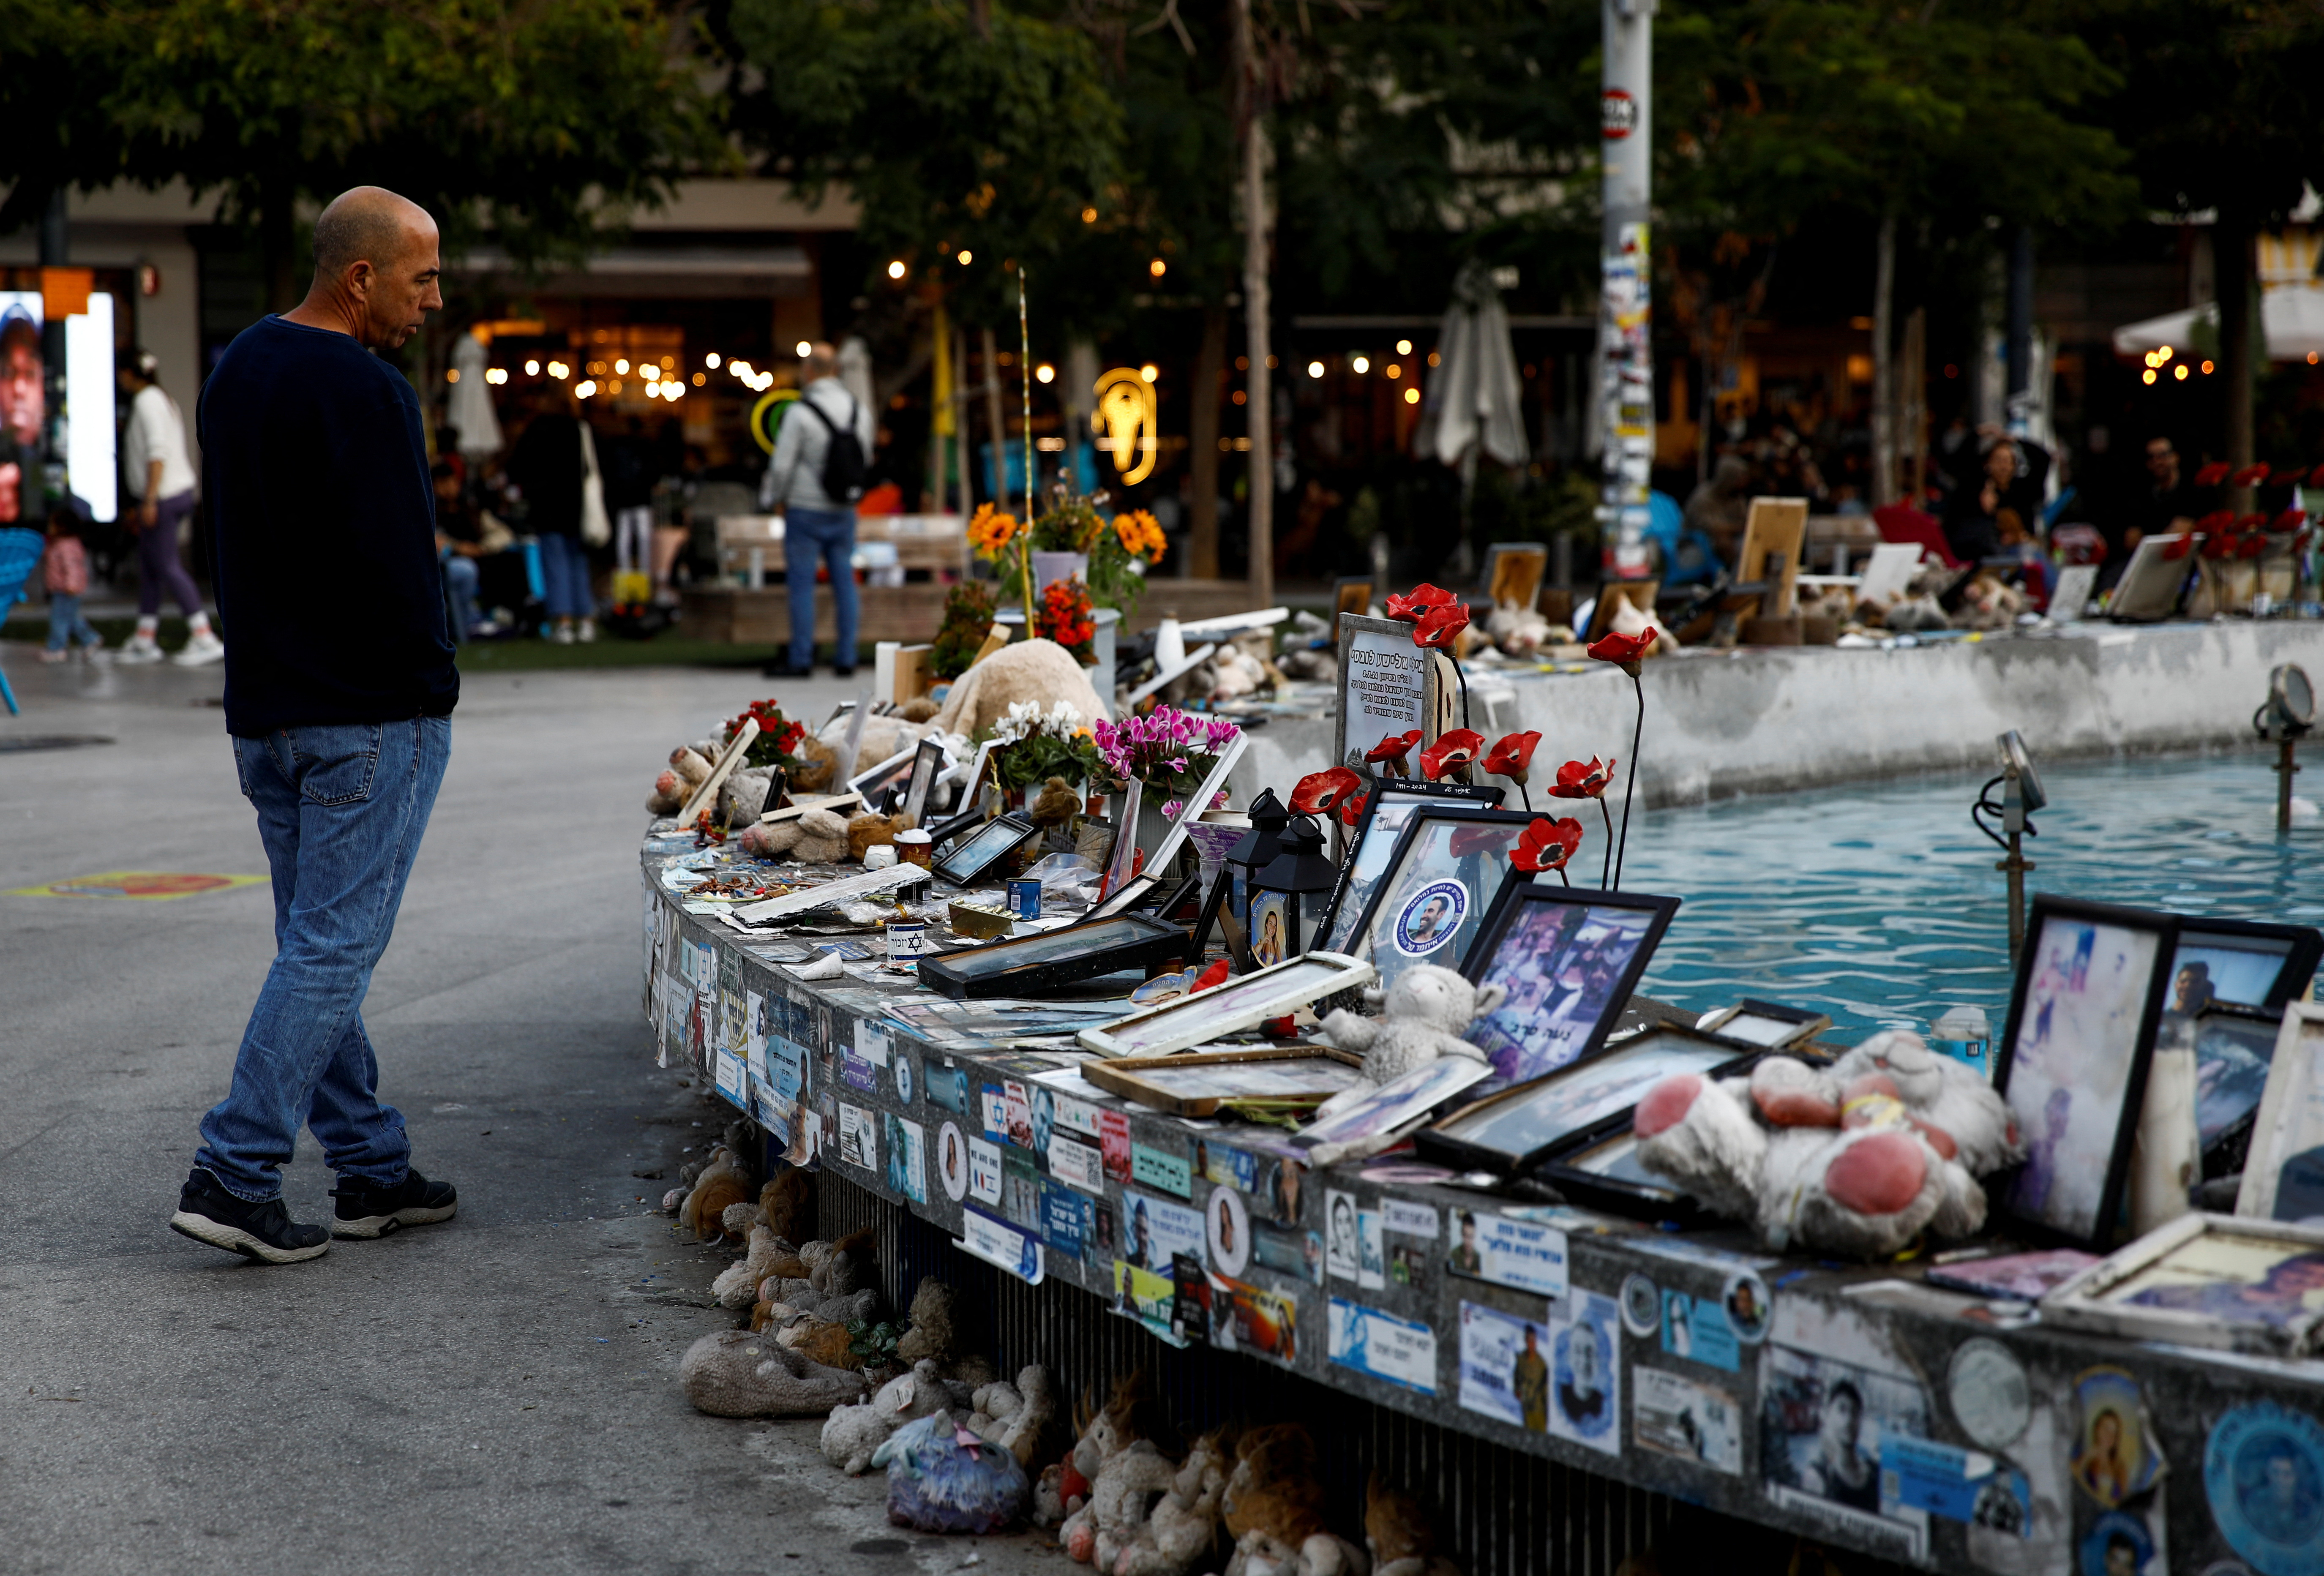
<point x="1276" y="1486"/>
<point x="1517" y="631"/>
<point x="734" y="1373"/>
<point x="932" y="1336"/>
<point x="812" y="837"/>
<point x="1015" y="1416"/>
<point x="1397" y="1533"/>
<point x="853" y="1432"/>
<point x="1423" y="1015"/>
<point x="723" y="1182"/>
<point x="1258" y="1552"/>
<point x="687" y="771"/>
<point x="1854" y="1159"/>
<point x="1183" y="1528"/>
<point x="1121" y="1495"/>
<point x="869" y="831"/>
<point x="767" y="1256"/>
<point x="1041" y="672"/>
<point x="941" y="1477"/>
<point x="1132" y="1413"/>
<point x="743" y="795"/>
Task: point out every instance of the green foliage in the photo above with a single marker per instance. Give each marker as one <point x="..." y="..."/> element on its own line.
<point x="967" y="620"/>
<point x="1038" y="757"/>
<point x="874" y="1343"/>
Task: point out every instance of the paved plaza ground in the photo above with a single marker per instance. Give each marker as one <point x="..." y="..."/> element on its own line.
<point x="496" y="1394"/>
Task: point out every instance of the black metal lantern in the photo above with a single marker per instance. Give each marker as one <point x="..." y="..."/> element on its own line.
<point x="1252" y="853"/>
<point x="1288" y="897"/>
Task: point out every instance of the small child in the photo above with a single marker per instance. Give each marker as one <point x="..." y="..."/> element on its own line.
<point x="64" y="567"/>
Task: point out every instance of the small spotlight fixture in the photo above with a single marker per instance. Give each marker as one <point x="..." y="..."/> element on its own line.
<point x="2289" y="712"/>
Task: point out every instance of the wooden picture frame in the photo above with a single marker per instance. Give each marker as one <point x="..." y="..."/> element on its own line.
<point x="2154" y="583"/>
<point x="1774" y="526"/>
<point x="1376" y="641"/>
<point x="1572" y="929"/>
<point x="1373" y="840"/>
<point x="2286" y="1131"/>
<point x="979" y="851"/>
<point x="1145" y="1079"/>
<point x="2076" y="1094"/>
<point x="1771" y="1024"/>
<point x="1229" y="1008"/>
<point x="1213" y="784"/>
<point x="1514" y="572"/>
<point x="1639" y="593"/>
<point x="838" y="804"/>
<point x="706" y="797"/>
<point x="2131" y="1294"/>
<point x="1350" y="596"/>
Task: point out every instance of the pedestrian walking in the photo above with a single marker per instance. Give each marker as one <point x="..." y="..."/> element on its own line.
<point x="160" y="478"/>
<point x="550" y="467"/>
<point x="814" y="478"/>
<point x="64" y="571"/>
<point x="339" y="689"/>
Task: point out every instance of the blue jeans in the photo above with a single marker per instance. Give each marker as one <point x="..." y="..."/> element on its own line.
<point x="564" y="576"/>
<point x="829" y="534"/>
<point x="460" y="575"/>
<point x="68" y="623"/>
<point x="341" y="809"/>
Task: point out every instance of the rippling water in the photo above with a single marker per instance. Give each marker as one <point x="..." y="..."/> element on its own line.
<point x="1879" y="903"/>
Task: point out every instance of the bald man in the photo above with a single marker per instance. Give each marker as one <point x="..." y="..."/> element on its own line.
<point x="817" y="501"/>
<point x="339" y="688"/>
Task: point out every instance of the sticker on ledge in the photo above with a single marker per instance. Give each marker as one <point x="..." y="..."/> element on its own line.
<point x="1340" y="1251"/>
<point x="1511" y="1253"/>
<point x="997" y="1243"/>
<point x="1148" y="1298"/>
<point x="2115" y="1453"/>
<point x="2121" y="1545"/>
<point x="1398" y="1351"/>
<point x="1228" y="1228"/>
<point x="1504" y="1368"/>
<point x="1677" y="1416"/>
<point x="1153" y="1168"/>
<point x="1154" y="1231"/>
<point x="1696" y="1329"/>
<point x="1406" y="1218"/>
<point x="1991" y="1398"/>
<point x="2263" y="1473"/>
<point x="908" y="1160"/>
<point x="952" y="1161"/>
<point x="1079" y="1164"/>
<point x="984" y="1172"/>
<point x="1642" y="1304"/>
<point x="859" y="1136"/>
<point x="1823" y="1425"/>
<point x="1749" y="1306"/>
<point x="1113" y="1140"/>
<point x="1585" y="1373"/>
<point x="1959" y="1485"/>
<point x="734" y="1079"/>
<point x="1253" y="1319"/>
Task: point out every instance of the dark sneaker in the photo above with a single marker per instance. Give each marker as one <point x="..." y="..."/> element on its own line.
<point x="264" y="1232"/>
<point x="365" y="1209"/>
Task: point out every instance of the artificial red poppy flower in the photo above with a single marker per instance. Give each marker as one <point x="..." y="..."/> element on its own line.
<point x="1512" y="755"/>
<point x="1439" y="627"/>
<point x="2218" y="545"/>
<point x="1352" y="809"/>
<point x="1547" y="845"/>
<point x="2251" y="522"/>
<point x="2251" y="547"/>
<point x="2212" y="474"/>
<point x="2175" y="548"/>
<point x="1320" y="793"/>
<point x="2251" y="475"/>
<point x="1212" y="978"/>
<point x="1577" y="780"/>
<point x="1468" y="839"/>
<point x="1423" y="597"/>
<point x="1623" y="651"/>
<point x="1392" y="748"/>
<point x="2217" y="520"/>
<point x="1452" y="750"/>
<point x="2289" y="521"/>
<point x="2316" y="477"/>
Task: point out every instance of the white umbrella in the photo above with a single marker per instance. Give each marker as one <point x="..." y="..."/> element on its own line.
<point x="2292" y="316"/>
<point x="472" y="401"/>
<point x="1474" y="398"/>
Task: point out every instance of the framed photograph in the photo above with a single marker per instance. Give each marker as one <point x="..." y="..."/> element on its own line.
<point x="2241" y="964"/>
<point x="1566" y="961"/>
<point x="968" y="861"/>
<point x="1396" y="1104"/>
<point x="1448" y="866"/>
<point x="1215" y="783"/>
<point x="1513" y="573"/>
<point x="1386" y="686"/>
<point x="1514" y="1131"/>
<point x="1214" y="909"/>
<point x="2016" y="1278"/>
<point x="975" y="774"/>
<point x="1351" y="596"/>
<point x="894" y="773"/>
<point x="1134" y="894"/>
<point x="1123" y="858"/>
<point x="2235" y="1046"/>
<point x="1228" y="1008"/>
<point x="1026" y="965"/>
<point x="1388" y="809"/>
<point x="1196" y="1085"/>
<point x="969" y="818"/>
<point x="2073" y="1057"/>
<point x="2220" y="1281"/>
<point x="1637" y="594"/>
<point x="706" y="797"/>
<point x="2283" y="1170"/>
<point x="2154" y="583"/>
<point x="1767" y="1023"/>
<point x="927" y="761"/>
<point x="1599" y="1169"/>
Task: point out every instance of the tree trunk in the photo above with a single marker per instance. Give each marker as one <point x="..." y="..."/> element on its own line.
<point x="1883" y="366"/>
<point x="278" y="247"/>
<point x="996" y="427"/>
<point x="1913" y="404"/>
<point x="1257" y="384"/>
<point x="1203" y="438"/>
<point x="2231" y="268"/>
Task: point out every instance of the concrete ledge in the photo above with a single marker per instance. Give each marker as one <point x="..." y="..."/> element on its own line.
<point x="1770" y="721"/>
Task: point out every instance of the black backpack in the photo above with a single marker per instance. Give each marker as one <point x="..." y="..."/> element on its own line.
<point x="844" y="464"/>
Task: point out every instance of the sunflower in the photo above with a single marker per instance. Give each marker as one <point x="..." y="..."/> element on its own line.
<point x="988" y="531"/>
<point x="1141" y="535"/>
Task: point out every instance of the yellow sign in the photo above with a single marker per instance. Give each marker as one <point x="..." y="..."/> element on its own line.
<point x="773" y="400"/>
<point x="148" y="886"/>
<point x="1124" y="421"/>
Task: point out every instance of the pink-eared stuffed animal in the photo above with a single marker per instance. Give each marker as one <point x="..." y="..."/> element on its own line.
<point x="1855" y="1159"/>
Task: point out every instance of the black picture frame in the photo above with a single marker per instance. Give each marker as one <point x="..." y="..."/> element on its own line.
<point x="2226" y="1105"/>
<point x="1026" y="965"/>
<point x="1213" y="902"/>
<point x="1130" y="897"/>
<point x="1403" y="790"/>
<point x="2025" y="1194"/>
<point x="926" y="762"/>
<point x="979" y="851"/>
<point x="952" y="826"/>
<point x="2302" y="949"/>
<point x="1696" y="1052"/>
<point x="1519" y="897"/>
<point x="1420" y="829"/>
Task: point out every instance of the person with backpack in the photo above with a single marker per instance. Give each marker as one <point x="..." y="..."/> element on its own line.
<point x="814" y="479"/>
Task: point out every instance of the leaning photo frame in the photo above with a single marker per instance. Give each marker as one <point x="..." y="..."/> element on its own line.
<point x="1386" y="684"/>
<point x="927" y="761"/>
<point x="1229" y="1008"/>
<point x="2283" y="1168"/>
<point x="2225" y="1282"/>
<point x="1447" y="869"/>
<point x="2072" y="1061"/>
<point x="2241" y="964"/>
<point x="1563" y="961"/>
<point x="1388" y="806"/>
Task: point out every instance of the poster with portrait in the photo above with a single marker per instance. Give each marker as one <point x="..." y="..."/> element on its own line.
<point x="1154" y="1230"/>
<point x="1822" y="1422"/>
<point x="1505" y="1366"/>
<point x="2114" y="1456"/>
<point x="1585" y="1372"/>
<point x="1679" y="1417"/>
<point x="1563" y="966"/>
<point x="907" y="1161"/>
<point x="2264" y="1474"/>
<point x="2074" y="1058"/>
<point x="1446" y="869"/>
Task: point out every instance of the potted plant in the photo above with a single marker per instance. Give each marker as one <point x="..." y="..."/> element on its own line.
<point x="1072" y="540"/>
<point x="1030" y="746"/>
<point x="1169" y="751"/>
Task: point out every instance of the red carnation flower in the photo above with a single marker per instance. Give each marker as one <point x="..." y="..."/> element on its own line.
<point x="1424" y="597"/>
<point x="1439" y="627"/>
<point x="1576" y="780"/>
<point x="1392" y="748"/>
<point x="1451" y="752"/>
<point x="1547" y="845"/>
<point x="1511" y="756"/>
<point x="1320" y="793"/>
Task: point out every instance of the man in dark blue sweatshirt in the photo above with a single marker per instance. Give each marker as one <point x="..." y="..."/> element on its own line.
<point x="339" y="688"/>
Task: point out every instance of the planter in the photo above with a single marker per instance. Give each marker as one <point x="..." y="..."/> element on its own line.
<point x="1048" y="567"/>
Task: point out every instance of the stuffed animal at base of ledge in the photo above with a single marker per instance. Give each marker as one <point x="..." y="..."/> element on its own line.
<point x="1276" y="1488"/>
<point x="1016" y="1417"/>
<point x="1181" y="1530"/>
<point x="725" y="1180"/>
<point x="687" y="771"/>
<point x="1132" y="1412"/>
<point x="1397" y="1533"/>
<point x="1324" y="1553"/>
<point x="1517" y="631"/>
<point x="1423" y="1017"/>
<point x="852" y="1432"/>
<point x="941" y="1477"/>
<point x="812" y="837"/>
<point x="1858" y="1159"/>
<point x="734" y="1373"/>
<point x="1120" y="1496"/>
<point x="932" y="1336"/>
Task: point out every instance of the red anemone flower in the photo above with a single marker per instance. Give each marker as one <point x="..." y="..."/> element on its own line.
<point x="1320" y="793"/>
<point x="1547" y="845"/>
<point x="1511" y="756"/>
<point x="1623" y="651"/>
<point x="1439" y="627"/>
<point x="2212" y="474"/>
<point x="2252" y="475"/>
<point x="1392" y="748"/>
<point x="1452" y="750"/>
<point x="1352" y="809"/>
<point x="1576" y="780"/>
<point x="1411" y="609"/>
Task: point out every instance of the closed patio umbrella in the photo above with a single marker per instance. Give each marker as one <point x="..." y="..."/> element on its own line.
<point x="2291" y="314"/>
<point x="1473" y="398"/>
